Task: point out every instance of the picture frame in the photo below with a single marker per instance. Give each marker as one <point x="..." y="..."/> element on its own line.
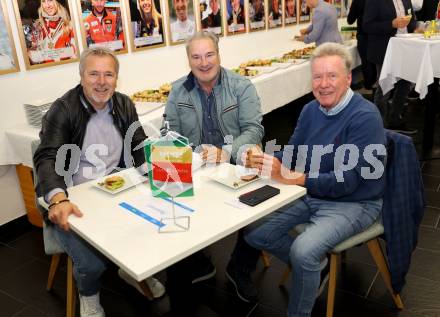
<point x="210" y="16"/>
<point x="102" y="24"/>
<point x="146" y="24"/>
<point x="275" y="11"/>
<point x="181" y="20"/>
<point x="236" y="18"/>
<point x="290" y="12"/>
<point x="8" y="55"/>
<point x="304" y="12"/>
<point x="257" y="15"/>
<point x="47" y="32"/>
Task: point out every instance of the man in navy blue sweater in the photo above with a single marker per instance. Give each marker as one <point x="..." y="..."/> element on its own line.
<point x="336" y="152"/>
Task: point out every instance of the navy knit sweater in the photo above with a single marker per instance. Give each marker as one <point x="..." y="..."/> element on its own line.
<point x="326" y="147"/>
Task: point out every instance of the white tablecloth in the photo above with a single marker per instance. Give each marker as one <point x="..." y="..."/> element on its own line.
<point x="275" y="89"/>
<point x="414" y="59"/>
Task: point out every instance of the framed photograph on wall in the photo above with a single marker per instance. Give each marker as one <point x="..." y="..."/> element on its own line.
<point x="146" y="24"/>
<point x="257" y="15"/>
<point x="181" y="20"/>
<point x="275" y="14"/>
<point x="102" y="24"/>
<point x="211" y="16"/>
<point x="290" y="12"/>
<point x="8" y="56"/>
<point x="47" y="33"/>
<point x="235" y="17"/>
<point x="304" y="11"/>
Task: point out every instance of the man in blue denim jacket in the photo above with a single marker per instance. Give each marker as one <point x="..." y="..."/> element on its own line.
<point x="220" y="113"/>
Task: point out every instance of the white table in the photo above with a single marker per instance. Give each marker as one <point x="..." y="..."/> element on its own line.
<point x="135" y="245"/>
<point x="416" y="60"/>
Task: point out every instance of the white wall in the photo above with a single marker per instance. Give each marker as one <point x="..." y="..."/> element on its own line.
<point x="139" y="70"/>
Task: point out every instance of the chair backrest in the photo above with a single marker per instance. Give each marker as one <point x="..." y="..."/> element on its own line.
<point x="51" y="245"/>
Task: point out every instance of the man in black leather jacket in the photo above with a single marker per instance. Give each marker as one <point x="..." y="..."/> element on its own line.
<point x="88" y="132"/>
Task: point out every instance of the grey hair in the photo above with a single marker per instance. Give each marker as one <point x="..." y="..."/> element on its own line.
<point x="204" y="34"/>
<point x="333" y="49"/>
<point x="97" y="51"/>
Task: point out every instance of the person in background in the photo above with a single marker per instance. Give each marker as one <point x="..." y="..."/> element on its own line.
<point x="94" y="119"/>
<point x="356" y="13"/>
<point x="324" y="27"/>
<point x="381" y="21"/>
<point x="220" y="114"/>
<point x="340" y="202"/>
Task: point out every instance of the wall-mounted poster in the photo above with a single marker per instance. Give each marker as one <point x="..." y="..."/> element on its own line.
<point x="102" y="24"/>
<point x="146" y="24"/>
<point x="275" y="14"/>
<point x="304" y="11"/>
<point x="257" y="15"/>
<point x="211" y="16"/>
<point x="181" y="20"/>
<point x="235" y="17"/>
<point x="8" y="57"/>
<point x="46" y="32"/>
<point x="290" y="16"/>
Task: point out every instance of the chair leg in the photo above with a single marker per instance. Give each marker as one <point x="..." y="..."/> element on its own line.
<point x="334" y="260"/>
<point x="265" y="259"/>
<point x="71" y="292"/>
<point x="285" y="276"/>
<point x="52" y="270"/>
<point x="378" y="256"/>
<point x="146" y="290"/>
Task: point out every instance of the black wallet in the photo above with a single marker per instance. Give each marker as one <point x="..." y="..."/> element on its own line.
<point x="258" y="195"/>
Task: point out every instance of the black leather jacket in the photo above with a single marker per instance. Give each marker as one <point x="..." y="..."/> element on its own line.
<point x="66" y="122"/>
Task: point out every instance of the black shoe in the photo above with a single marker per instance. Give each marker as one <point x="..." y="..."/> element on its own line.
<point x="402" y="128"/>
<point x="203" y="270"/>
<point x="244" y="287"/>
<point x="325" y="275"/>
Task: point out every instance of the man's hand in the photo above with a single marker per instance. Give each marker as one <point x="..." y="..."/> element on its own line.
<point x="304" y="31"/>
<point x="270" y="166"/>
<point x="59" y="213"/>
<point x="401" y="22"/>
<point x="299" y="37"/>
<point x="212" y="154"/>
<point x="250" y="157"/>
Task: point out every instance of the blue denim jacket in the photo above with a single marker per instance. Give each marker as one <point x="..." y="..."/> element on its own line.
<point x="238" y="110"/>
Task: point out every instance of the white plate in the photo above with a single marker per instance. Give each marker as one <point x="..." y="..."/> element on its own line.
<point x="432" y="38"/>
<point x="144" y="107"/>
<point x="409" y="35"/>
<point x="131" y="177"/>
<point x="229" y="175"/>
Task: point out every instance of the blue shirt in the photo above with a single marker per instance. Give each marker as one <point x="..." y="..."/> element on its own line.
<point x="211" y="133"/>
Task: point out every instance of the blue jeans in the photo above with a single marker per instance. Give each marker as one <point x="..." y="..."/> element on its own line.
<point x="330" y="223"/>
<point x="88" y="263"/>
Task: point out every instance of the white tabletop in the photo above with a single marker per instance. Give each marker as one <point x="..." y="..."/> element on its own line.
<point x="413" y="59"/>
<point x="135" y="245"/>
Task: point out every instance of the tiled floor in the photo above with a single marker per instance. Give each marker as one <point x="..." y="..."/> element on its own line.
<point x="361" y="291"/>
